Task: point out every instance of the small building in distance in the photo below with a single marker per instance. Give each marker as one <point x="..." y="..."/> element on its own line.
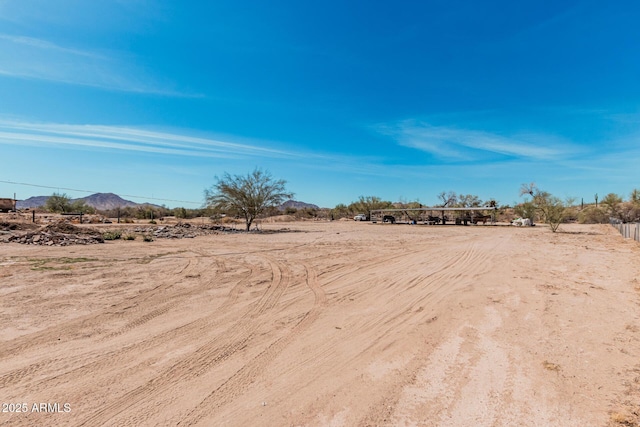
<point x="7" y="205"/>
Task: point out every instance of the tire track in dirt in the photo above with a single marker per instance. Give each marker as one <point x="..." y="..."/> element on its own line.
<point x="223" y="353"/>
<point x="433" y="279"/>
<point x="167" y="301"/>
<point x="80" y="327"/>
<point x="411" y="283"/>
<point x="428" y="287"/>
<point x="88" y="322"/>
<point x="356" y="265"/>
<point x="108" y="359"/>
<point x="245" y="376"/>
<point x="206" y="356"/>
<point x="469" y="265"/>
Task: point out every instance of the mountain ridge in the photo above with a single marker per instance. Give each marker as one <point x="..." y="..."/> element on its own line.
<point x="108" y="201"/>
<point x="100" y="201"/>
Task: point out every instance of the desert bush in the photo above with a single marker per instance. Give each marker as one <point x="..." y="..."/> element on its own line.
<point x="307" y="213"/>
<point x="366" y="204"/>
<point x="526" y="210"/>
<point x="147" y="238"/>
<point x="340" y="211"/>
<point x="61" y="203"/>
<point x="129" y="237"/>
<point x="612" y="202"/>
<point x="593" y="215"/>
<point x="571" y="214"/>
<point x="180" y="213"/>
<point x="111" y="235"/>
<point x="629" y="212"/>
<point x="153" y="221"/>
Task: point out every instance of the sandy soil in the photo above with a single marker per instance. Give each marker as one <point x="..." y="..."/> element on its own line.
<point x="339" y="324"/>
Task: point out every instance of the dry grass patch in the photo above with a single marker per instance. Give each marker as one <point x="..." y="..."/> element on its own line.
<point x="550" y="366"/>
<point x="625" y="418"/>
<point x="41" y="263"/>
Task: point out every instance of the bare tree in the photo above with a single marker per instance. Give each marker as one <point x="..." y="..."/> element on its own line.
<point x="529" y="189"/>
<point x="246" y="196"/>
<point x="448" y="199"/>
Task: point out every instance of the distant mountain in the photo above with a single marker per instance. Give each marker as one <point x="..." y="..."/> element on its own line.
<point x="106" y="201"/>
<point x="100" y="201"/>
<point x="32" y="202"/>
<point x="297" y="205"/>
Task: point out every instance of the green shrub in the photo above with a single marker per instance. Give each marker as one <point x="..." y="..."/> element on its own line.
<point x="111" y="235"/>
<point x="593" y="215"/>
<point x="147" y="237"/>
<point x="129" y="237"/>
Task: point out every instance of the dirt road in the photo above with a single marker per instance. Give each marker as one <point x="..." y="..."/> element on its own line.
<point x="337" y="324"/>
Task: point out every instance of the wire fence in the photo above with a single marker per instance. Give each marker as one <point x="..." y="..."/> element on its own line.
<point x="629" y="231"/>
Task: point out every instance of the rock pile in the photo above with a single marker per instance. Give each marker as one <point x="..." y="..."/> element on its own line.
<point x="58" y="234"/>
<point x="63" y="233"/>
<point x="180" y="231"/>
<point x="15" y="226"/>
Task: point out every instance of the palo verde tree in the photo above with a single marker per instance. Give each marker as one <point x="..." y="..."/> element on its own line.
<point x="552" y="210"/>
<point x="612" y="202"/>
<point x="340" y="211"/>
<point x="366" y="204"/>
<point x="61" y="203"/>
<point x="58" y="203"/>
<point x="246" y="196"/>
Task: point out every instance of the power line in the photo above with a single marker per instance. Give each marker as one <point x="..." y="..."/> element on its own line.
<point x="93" y="192"/>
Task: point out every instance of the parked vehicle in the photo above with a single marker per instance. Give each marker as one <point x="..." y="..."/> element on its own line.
<point x="360" y="217"/>
<point x="434" y="219"/>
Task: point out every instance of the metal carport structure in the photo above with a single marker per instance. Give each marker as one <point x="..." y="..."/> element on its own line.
<point x="425" y="215"/>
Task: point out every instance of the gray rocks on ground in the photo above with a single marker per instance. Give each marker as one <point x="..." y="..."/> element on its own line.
<point x="58" y="234"/>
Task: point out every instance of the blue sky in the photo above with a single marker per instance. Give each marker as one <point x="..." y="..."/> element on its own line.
<point x="402" y="100"/>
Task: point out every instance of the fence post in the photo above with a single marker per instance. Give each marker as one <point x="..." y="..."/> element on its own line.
<point x="628" y="232"/>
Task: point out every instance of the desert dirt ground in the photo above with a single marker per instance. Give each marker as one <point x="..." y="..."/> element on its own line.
<point x="331" y="324"/>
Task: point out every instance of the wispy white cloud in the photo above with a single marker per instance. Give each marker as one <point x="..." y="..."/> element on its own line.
<point x="130" y="139"/>
<point x="33" y="58"/>
<point x="18" y="132"/>
<point x="43" y="44"/>
<point x="452" y="143"/>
